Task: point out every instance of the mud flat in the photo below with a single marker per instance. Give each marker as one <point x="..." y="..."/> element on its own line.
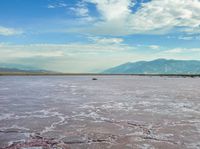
<point x="140" y="112"/>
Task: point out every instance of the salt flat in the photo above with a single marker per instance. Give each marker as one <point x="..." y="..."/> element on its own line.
<point x="112" y="112"/>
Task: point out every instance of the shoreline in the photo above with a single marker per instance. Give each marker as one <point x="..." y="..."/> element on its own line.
<point x="96" y="74"/>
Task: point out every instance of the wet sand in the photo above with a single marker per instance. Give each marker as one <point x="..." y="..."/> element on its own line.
<point x="116" y="112"/>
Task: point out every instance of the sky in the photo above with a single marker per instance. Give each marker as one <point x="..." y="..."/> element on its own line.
<point x="79" y="36"/>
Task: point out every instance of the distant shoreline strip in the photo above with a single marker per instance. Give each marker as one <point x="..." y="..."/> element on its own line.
<point x="95" y="74"/>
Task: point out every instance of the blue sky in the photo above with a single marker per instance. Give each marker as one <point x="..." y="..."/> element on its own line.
<point x="93" y="35"/>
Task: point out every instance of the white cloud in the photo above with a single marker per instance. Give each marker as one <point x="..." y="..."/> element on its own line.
<point x="183" y="50"/>
<point x="185" y="37"/>
<point x="177" y="50"/>
<point x="80" y="9"/>
<point x="78" y="57"/>
<point x="51" y="6"/>
<point x="71" y="47"/>
<point x="82" y="13"/>
<point x="154" y="47"/>
<point x="27" y="54"/>
<point x="57" y="5"/>
<point x="75" y="57"/>
<point x="196" y="37"/>
<point x="9" y="51"/>
<point x="112" y="9"/>
<point x="155" y="17"/>
<point x="4" y="31"/>
<point x="105" y="40"/>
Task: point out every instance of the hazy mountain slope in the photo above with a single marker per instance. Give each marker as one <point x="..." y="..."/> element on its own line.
<point x="20" y="70"/>
<point x="4" y="67"/>
<point x="159" y="66"/>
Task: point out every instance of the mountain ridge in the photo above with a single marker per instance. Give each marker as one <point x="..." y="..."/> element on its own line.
<point x="12" y="68"/>
<point x="157" y="66"/>
<point x="21" y="70"/>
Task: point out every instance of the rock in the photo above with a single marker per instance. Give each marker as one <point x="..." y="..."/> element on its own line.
<point x="74" y="140"/>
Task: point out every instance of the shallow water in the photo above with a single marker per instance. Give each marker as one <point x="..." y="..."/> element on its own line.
<point x="111" y="112"/>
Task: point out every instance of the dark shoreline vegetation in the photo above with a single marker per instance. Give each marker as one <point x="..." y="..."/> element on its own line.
<point x="93" y="74"/>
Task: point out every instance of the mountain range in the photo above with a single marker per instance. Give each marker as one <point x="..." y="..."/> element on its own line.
<point x="11" y="68"/>
<point x="158" y="66"/>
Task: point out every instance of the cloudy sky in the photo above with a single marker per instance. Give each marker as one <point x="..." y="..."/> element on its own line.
<point x="93" y="35"/>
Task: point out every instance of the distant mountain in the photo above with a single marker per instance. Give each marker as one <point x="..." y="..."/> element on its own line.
<point x="158" y="66"/>
<point x="20" y="70"/>
<point x="4" y="67"/>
